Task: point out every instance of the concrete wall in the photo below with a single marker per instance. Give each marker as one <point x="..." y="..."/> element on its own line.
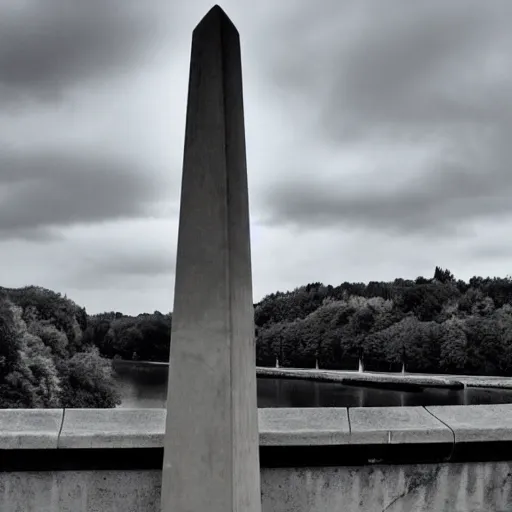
<point x="453" y="458"/>
<point x="449" y="487"/>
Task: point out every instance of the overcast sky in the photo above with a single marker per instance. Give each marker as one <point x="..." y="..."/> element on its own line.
<point x="378" y="142"/>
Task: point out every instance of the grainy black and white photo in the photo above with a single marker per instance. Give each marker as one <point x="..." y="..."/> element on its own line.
<point x="255" y="256"/>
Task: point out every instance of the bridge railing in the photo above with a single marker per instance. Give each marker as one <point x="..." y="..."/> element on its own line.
<point x="287" y="436"/>
<point x="311" y="460"/>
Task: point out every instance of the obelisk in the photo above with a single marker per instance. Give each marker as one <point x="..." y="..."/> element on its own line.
<point x="211" y="448"/>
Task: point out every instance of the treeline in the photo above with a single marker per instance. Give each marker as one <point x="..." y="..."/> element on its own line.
<point x="52" y="354"/>
<point x="145" y="337"/>
<point x="438" y="325"/>
<point x="45" y="359"/>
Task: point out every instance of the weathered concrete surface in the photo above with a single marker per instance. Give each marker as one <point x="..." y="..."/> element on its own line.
<point x="396" y="425"/>
<point x="112" y="428"/>
<point x="81" y="491"/>
<point x="29" y="428"/>
<point x="211" y="451"/>
<point x="476" y="422"/>
<point x="295" y="426"/>
<point x="411" y="488"/>
<point x="482" y="487"/>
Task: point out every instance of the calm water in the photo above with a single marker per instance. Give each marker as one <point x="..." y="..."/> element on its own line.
<point x="149" y="389"/>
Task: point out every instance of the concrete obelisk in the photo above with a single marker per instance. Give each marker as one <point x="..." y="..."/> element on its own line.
<point x="211" y="449"/>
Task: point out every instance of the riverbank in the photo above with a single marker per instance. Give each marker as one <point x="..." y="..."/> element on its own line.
<point x="381" y="380"/>
<point x="404" y="382"/>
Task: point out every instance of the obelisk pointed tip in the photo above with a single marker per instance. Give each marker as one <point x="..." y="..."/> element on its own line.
<point x="215" y="15"/>
<point x="217" y="8"/>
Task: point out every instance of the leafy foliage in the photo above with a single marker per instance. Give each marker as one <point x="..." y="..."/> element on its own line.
<point x="52" y="354"/>
<point x="44" y="359"/>
<point x="87" y="379"/>
<point x="145" y="337"/>
<point x="436" y="325"/>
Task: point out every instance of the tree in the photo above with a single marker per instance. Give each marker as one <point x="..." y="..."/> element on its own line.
<point x="8" y="339"/>
<point x="35" y="365"/>
<point x="33" y="379"/>
<point x="454" y="343"/>
<point x="87" y="381"/>
<point x="443" y="275"/>
<point x="51" y="337"/>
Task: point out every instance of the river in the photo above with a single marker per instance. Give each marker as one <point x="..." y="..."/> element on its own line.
<point x="148" y="389"/>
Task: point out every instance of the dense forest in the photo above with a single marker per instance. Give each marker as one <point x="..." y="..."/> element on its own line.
<point x="438" y="325"/>
<point x="53" y="354"/>
<point x="45" y="360"/>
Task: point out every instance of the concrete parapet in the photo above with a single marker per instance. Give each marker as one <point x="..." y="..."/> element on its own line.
<point x="37" y="429"/>
<point x="396" y="425"/>
<point x="112" y="428"/>
<point x="29" y="428"/>
<point x="476" y="423"/>
<point x="295" y="426"/>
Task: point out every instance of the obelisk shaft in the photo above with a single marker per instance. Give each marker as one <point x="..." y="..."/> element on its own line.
<point x="211" y="460"/>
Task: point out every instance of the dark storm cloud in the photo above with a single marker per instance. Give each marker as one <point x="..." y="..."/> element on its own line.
<point x="434" y="74"/>
<point x="42" y="191"/>
<point x="48" y="45"/>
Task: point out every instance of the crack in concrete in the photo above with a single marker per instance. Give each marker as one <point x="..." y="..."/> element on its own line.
<point x="417" y="482"/>
<point x="403" y="495"/>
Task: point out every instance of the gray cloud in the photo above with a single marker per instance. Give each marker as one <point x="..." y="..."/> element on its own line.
<point x="36" y="235"/>
<point x="47" y="190"/>
<point x="126" y="270"/>
<point x="142" y="263"/>
<point x="441" y="199"/>
<point x="492" y="251"/>
<point x="429" y="66"/>
<point x="374" y="129"/>
<point x="431" y="74"/>
<point x="48" y="45"/>
<point x="396" y="63"/>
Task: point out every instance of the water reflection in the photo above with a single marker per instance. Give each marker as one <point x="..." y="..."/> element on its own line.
<point x="302" y="393"/>
<point x="146" y="390"/>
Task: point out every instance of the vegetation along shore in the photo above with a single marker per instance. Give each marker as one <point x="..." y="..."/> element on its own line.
<point x="54" y="354"/>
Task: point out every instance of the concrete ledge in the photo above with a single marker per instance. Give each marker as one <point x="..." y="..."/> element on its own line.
<point x="307" y="426"/>
<point x="110" y="439"/>
<point x="29" y="428"/>
<point x="113" y="428"/>
<point x="33" y="429"/>
<point x="476" y="423"/>
<point x="396" y="425"/>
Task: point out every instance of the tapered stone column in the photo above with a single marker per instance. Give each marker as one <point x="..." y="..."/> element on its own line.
<point x="211" y="460"/>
